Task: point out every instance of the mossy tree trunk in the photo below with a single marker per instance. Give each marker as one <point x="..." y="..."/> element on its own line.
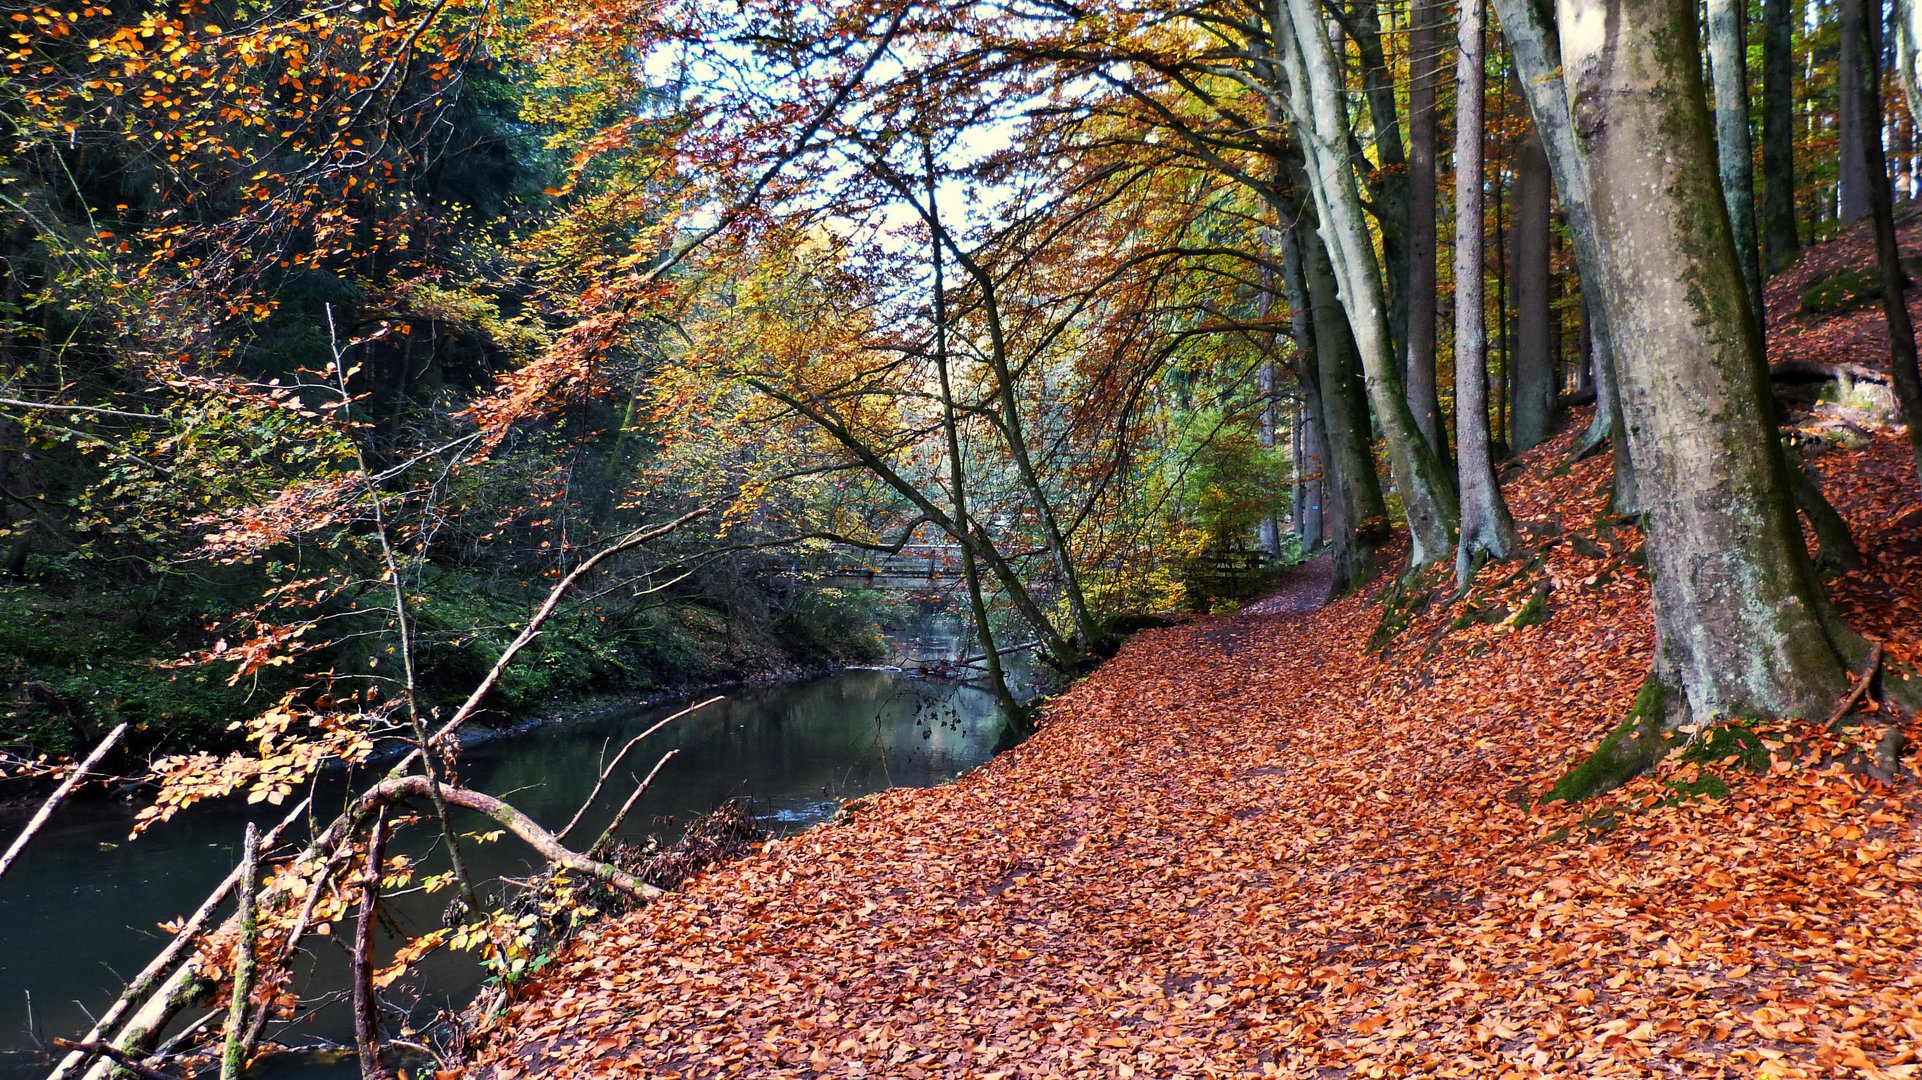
<point x="1741" y="622"/>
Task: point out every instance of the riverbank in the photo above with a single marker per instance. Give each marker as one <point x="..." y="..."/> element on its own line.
<point x="1267" y="843"/>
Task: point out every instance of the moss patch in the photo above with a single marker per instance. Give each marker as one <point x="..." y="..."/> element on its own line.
<point x="1629" y="751"/>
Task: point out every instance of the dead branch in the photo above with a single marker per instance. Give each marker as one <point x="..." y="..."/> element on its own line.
<point x="1807" y="371"/>
<point x="93" y="1049"/>
<point x="542" y="614"/>
<point x="1861" y="686"/>
<point x="621" y="814"/>
<point x="148" y="982"/>
<point x="233" y="1056"/>
<point x="523" y="827"/>
<point x="59" y="796"/>
<point x="609" y="770"/>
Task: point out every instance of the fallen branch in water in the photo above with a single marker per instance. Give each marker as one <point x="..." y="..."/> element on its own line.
<point x="94" y="1048"/>
<point x="59" y="796"/>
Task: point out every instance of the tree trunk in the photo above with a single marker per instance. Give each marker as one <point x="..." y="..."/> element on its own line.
<point x="1316" y="105"/>
<point x="1424" y="67"/>
<point x="957" y="464"/>
<point x="1777" y="223"/>
<point x="1388" y="186"/>
<point x="1536" y="49"/>
<point x="1352" y="500"/>
<point x="1907" y="20"/>
<point x="1728" y="62"/>
<point x="1487" y="532"/>
<point x="1903" y="375"/>
<point x="1269" y="384"/>
<point x="1852" y="127"/>
<point x="1309" y="489"/>
<point x="1534" y="356"/>
<point x="1741" y="622"/>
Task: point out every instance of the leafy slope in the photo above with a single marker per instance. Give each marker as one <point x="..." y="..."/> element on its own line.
<point x="1251" y="845"/>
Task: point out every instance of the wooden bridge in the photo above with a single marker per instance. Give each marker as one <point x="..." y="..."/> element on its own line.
<point x="916" y="566"/>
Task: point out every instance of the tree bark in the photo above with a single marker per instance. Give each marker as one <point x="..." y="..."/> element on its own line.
<point x="1316" y="105"/>
<point x="1535" y="46"/>
<point x="1728" y="63"/>
<point x="1533" y="360"/>
<point x="1853" y="128"/>
<point x="366" y="1005"/>
<point x="1389" y="184"/>
<point x="1424" y="123"/>
<point x="1741" y="622"/>
<point x="1354" y="503"/>
<point x="233" y="1055"/>
<point x="1319" y="505"/>
<point x="1907" y="23"/>
<point x="1487" y="531"/>
<point x="1777" y="219"/>
<point x="1857" y="25"/>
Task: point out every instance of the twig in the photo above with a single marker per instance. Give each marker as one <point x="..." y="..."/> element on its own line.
<point x="234" y="1054"/>
<point x="95" y="1048"/>
<point x="542" y="614"/>
<point x="609" y="770"/>
<point x="621" y="814"/>
<point x="1861" y="687"/>
<point x="59" y="795"/>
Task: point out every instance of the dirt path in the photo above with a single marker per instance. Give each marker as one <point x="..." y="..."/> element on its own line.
<point x="1249" y="846"/>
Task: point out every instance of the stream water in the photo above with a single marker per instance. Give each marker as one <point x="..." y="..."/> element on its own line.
<point x="78" y="913"/>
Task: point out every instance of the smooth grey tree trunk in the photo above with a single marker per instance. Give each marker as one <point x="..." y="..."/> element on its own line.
<point x="1728" y="64"/>
<point x="1389" y="182"/>
<point x="1533" y="358"/>
<point x="1353" y="507"/>
<point x="1424" y="122"/>
<point x="1906" y="21"/>
<point x="1269" y="385"/>
<point x="1535" y="47"/>
<point x="1741" y="622"/>
<point x="1487" y="532"/>
<point x="1776" y="222"/>
<point x="1852" y="129"/>
<point x="1316" y="105"/>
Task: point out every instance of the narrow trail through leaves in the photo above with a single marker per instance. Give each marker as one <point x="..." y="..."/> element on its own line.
<point x="1253" y="845"/>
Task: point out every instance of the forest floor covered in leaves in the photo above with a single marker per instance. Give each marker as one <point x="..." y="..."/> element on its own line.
<point x="1255" y="844"/>
<point x="1308" y="843"/>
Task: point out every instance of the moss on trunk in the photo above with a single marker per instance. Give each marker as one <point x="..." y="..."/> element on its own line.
<point x="1633" y="748"/>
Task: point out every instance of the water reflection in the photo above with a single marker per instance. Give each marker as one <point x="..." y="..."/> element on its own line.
<point x="76" y="915"/>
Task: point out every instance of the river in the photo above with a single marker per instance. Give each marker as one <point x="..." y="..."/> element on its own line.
<point x="78" y="913"/>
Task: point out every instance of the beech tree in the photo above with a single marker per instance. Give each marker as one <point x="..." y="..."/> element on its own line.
<point x="1487" y="532"/>
<point x="1742" y="625"/>
<point x="1318" y="111"/>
